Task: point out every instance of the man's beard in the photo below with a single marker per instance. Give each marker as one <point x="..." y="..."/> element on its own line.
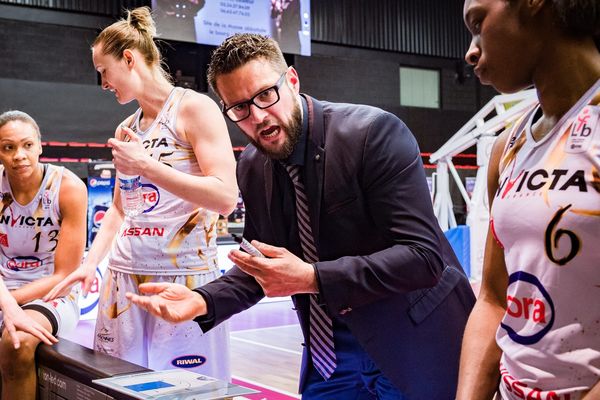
<point x="293" y="130"/>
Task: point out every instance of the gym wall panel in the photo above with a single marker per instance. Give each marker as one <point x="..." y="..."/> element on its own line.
<point x="424" y="27"/>
<point x="66" y="111"/>
<point x="344" y="79"/>
<point x="105" y="7"/>
<point x="46" y="52"/>
<point x="46" y="66"/>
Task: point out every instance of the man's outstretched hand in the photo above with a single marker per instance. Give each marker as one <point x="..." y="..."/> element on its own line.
<point x="170" y="301"/>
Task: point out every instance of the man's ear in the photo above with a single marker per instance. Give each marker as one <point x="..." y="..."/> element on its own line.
<point x="294" y="79"/>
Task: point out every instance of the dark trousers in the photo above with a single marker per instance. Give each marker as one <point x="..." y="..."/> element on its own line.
<point x="355" y="377"/>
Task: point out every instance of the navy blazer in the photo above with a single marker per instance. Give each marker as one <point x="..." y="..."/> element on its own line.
<point x="386" y="268"/>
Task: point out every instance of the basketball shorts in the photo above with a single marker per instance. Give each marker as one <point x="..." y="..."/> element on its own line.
<point x="128" y="332"/>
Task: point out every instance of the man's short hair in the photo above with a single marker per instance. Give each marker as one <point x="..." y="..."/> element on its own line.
<point x="239" y="49"/>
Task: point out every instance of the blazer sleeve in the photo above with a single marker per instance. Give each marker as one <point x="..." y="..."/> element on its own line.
<point x="398" y="202"/>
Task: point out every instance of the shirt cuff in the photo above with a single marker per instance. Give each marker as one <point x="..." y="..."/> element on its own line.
<point x="206" y="321"/>
<point x="319" y="288"/>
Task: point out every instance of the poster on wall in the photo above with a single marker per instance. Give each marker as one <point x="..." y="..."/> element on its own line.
<point x="212" y="21"/>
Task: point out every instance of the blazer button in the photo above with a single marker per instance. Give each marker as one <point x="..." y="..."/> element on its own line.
<point x="345" y="310"/>
<point x="317" y="157"/>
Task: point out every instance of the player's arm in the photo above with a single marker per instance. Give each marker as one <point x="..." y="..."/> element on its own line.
<point x="71" y="239"/>
<point x="480" y="355"/>
<point x="201" y="123"/>
<point x="208" y="135"/>
<point x="111" y="222"/>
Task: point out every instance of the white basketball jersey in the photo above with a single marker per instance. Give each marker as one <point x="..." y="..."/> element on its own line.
<point x="29" y="233"/>
<point x="546" y="216"/>
<point x="172" y="236"/>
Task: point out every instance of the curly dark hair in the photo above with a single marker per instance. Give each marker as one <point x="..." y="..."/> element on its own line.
<point x="579" y="17"/>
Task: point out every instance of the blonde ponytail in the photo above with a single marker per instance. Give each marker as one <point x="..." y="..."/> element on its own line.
<point x="136" y="31"/>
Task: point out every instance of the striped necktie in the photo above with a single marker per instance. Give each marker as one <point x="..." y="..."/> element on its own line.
<point x="321" y="329"/>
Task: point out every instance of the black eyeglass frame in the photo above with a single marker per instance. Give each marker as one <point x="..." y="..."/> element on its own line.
<point x="251" y="102"/>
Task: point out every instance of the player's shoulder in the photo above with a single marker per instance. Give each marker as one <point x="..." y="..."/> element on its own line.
<point x="194" y="103"/>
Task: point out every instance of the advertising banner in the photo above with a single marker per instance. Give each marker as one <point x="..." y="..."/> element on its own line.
<point x="100" y="184"/>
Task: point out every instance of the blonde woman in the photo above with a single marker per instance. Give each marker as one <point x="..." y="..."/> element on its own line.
<point x="177" y="141"/>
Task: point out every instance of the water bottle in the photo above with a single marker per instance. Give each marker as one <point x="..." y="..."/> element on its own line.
<point x="132" y="200"/>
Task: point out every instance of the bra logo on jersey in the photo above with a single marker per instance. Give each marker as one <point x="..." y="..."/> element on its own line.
<point x="23" y="220"/>
<point x="151" y="196"/>
<point x="557" y="179"/>
<point x="526" y="307"/>
<point x="529" y="317"/>
<point x="23" y="263"/>
<point x="189" y="361"/>
<point x="156" y="142"/>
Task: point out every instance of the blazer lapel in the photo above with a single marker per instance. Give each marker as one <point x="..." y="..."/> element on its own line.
<point x="268" y="177"/>
<point x="315" y="161"/>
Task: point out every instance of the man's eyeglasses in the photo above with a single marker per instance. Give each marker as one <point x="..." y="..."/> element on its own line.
<point x="262" y="100"/>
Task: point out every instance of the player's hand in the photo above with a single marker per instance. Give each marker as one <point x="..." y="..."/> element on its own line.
<point x="129" y="155"/>
<point x="281" y="274"/>
<point x="16" y="319"/>
<point x="170" y="301"/>
<point x="84" y="274"/>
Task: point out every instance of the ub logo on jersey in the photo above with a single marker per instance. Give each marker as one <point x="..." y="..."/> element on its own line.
<point x="46" y="199"/>
<point x="582" y="131"/>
